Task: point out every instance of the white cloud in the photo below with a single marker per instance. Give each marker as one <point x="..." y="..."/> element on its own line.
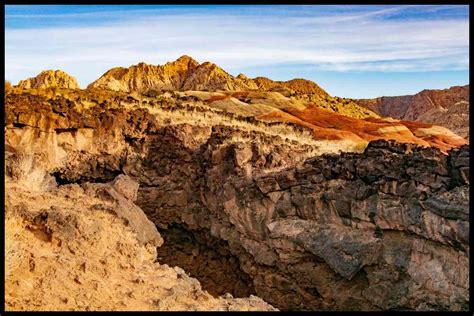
<point x="350" y="42"/>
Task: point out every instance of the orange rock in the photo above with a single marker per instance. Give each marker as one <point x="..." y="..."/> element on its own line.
<point x="332" y="126"/>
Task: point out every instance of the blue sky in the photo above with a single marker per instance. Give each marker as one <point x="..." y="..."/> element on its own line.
<point x="350" y="51"/>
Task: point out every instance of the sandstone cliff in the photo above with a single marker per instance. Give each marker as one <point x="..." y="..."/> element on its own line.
<point x="50" y="79"/>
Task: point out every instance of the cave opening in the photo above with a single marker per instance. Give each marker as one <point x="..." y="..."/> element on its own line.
<point x="205" y="258"/>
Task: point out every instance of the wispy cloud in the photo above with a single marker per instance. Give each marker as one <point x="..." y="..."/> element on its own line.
<point x="364" y="40"/>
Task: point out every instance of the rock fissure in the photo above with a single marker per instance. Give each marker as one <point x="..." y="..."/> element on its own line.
<point x="21" y="125"/>
<point x="205" y="258"/>
<point x="166" y="200"/>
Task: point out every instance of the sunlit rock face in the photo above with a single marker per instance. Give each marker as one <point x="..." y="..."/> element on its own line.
<point x="384" y="228"/>
<point x="445" y="107"/>
<point x="50" y="79"/>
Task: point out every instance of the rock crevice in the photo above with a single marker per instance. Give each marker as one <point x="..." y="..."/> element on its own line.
<point x="355" y="231"/>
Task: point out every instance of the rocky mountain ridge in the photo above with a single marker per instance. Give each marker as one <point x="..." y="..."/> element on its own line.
<point x="187" y="74"/>
<point x="446" y="107"/>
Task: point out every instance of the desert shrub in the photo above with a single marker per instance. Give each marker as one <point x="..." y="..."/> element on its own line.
<point x="152" y="93"/>
<point x="360" y="147"/>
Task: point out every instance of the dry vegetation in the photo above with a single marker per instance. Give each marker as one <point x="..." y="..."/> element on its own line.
<point x="26" y="170"/>
<point x="194" y="107"/>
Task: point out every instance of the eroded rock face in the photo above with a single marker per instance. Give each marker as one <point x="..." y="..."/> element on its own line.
<point x="89" y="248"/>
<point x="384" y="229"/>
<point x="50" y="79"/>
<point x="187" y="74"/>
<point x="183" y="74"/>
<point x="206" y="258"/>
<point x="355" y="231"/>
<point x="445" y="107"/>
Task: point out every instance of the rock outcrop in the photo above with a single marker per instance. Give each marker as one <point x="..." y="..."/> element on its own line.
<point x="303" y="86"/>
<point x="89" y="248"/>
<point x="350" y="232"/>
<point x="143" y="77"/>
<point x="183" y="74"/>
<point x="50" y="79"/>
<point x="187" y="74"/>
<point x="446" y="107"/>
<point x="383" y="229"/>
<point x="455" y="117"/>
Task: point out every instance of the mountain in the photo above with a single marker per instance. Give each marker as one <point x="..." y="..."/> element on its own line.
<point x="144" y="77"/>
<point x="50" y="79"/>
<point x="301" y="102"/>
<point x="446" y="107"/>
<point x="337" y="123"/>
<point x="327" y="125"/>
<point x="187" y="74"/>
<point x="296" y="85"/>
<point x="183" y="74"/>
<point x="456" y="117"/>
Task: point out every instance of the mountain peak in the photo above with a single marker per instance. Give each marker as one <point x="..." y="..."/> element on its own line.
<point x="49" y="79"/>
<point x="186" y="58"/>
<point x="185" y="61"/>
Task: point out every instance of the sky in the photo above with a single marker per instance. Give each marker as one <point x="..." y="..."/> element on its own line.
<point x="357" y="51"/>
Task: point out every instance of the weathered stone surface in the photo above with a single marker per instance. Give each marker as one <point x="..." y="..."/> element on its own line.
<point x="445" y="107"/>
<point x="126" y="186"/>
<point x="345" y="250"/>
<point x="379" y="230"/>
<point x="67" y="250"/>
<point x="125" y="208"/>
<point x="50" y="79"/>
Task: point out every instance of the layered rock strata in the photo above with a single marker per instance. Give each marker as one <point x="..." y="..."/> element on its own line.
<point x="445" y="107"/>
